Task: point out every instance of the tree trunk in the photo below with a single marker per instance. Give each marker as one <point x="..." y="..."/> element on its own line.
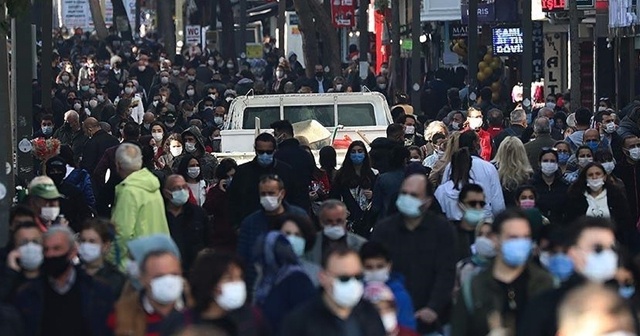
<point x="574" y="54"/>
<point x="331" y="43"/>
<point x="227" y="43"/>
<point x="282" y="17"/>
<point x="98" y="19"/>
<point x="121" y="20"/>
<point x="167" y="27"/>
<point x="309" y="37"/>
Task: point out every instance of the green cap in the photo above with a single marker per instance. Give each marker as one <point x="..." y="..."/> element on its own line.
<point x="43" y="187"/>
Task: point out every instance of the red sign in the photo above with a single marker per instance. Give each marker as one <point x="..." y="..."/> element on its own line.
<point x="343" y="13"/>
<point x="553" y="5"/>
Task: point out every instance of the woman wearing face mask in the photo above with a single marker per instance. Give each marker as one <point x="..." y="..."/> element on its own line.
<point x="95" y="242"/>
<point x="434" y="127"/>
<point x="189" y="168"/>
<point x="354" y="182"/>
<point x="451" y="146"/>
<point x="584" y="156"/>
<point x="564" y="153"/>
<point x="525" y="198"/>
<point x="66" y="80"/>
<point x="220" y="298"/>
<point x="283" y="284"/>
<point x="415" y="154"/>
<point x="171" y="148"/>
<point x="595" y="195"/>
<point x="605" y="158"/>
<point x="223" y="236"/>
<point x="513" y="167"/>
<point x="191" y="93"/>
<point x="301" y="235"/>
<point x="483" y="251"/>
<point x="550" y="187"/>
<point x="381" y="296"/>
<point x="21" y="259"/>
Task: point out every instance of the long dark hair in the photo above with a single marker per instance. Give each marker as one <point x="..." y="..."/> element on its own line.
<point x="347" y="176"/>
<point x="208" y="268"/>
<point x="328" y="160"/>
<point x="580" y="185"/>
<point x="460" y="167"/>
<point x="183" y="166"/>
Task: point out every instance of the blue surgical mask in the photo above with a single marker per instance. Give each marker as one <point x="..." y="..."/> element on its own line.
<point x="409" y="206"/>
<point x="473" y="217"/>
<point x="563" y="158"/>
<point x="627" y="291"/>
<point x="561" y="266"/>
<point x="179" y="197"/>
<point x="297" y="244"/>
<point x="265" y="159"/>
<point x="593" y="144"/>
<point x="515" y="252"/>
<point x="357" y="158"/>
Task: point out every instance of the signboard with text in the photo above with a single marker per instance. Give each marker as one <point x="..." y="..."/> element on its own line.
<point x="561" y="5"/>
<point x="77" y="13"/>
<point x="507" y="41"/>
<point x="193" y="35"/>
<point x="486" y="13"/>
<point x="343" y="13"/>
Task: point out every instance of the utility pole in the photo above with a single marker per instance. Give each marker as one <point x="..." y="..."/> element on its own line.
<point x="574" y="53"/>
<point x="22" y="103"/>
<point x="473" y="50"/>
<point x="282" y="10"/>
<point x="7" y="183"/>
<point x="364" y="41"/>
<point x="527" y="56"/>
<point x="138" y="9"/>
<point x="243" y="28"/>
<point x="396" y="66"/>
<point x="416" y="57"/>
<point x="46" y="72"/>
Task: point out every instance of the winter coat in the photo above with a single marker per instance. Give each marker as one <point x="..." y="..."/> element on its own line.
<point x="208" y="162"/>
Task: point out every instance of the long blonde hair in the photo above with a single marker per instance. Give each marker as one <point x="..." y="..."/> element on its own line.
<point x="512" y="162"/>
<point x="435" y="127"/>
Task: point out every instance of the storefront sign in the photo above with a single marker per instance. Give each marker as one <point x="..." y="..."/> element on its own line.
<point x="343" y="13"/>
<point x="538" y="50"/>
<point x="555" y="63"/>
<point x="507" y="41"/>
<point x="457" y="30"/>
<point x="486" y="13"/>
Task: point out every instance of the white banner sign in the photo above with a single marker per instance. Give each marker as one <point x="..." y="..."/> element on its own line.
<point x="77" y="13"/>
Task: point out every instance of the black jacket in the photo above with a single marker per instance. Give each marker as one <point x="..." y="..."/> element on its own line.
<point x="94" y="148"/>
<point x="427" y="259"/>
<point x="630" y="176"/>
<point x="208" y="162"/>
<point x="243" y="192"/>
<point x="75" y="140"/>
<point x="514" y="130"/>
<point x="189" y="231"/>
<point x="112" y="277"/>
<point x="315" y="319"/>
<point x="381" y="149"/>
<point x="74" y="206"/>
<point x="551" y="199"/>
<point x="290" y="152"/>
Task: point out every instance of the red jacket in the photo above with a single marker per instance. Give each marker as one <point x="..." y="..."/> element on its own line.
<point x="485" y="144"/>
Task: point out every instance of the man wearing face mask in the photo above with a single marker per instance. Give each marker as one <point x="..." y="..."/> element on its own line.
<point x="340" y="310"/>
<point x="592" y="250"/>
<point x="143" y="72"/>
<point x="21" y="259"/>
<point x="501" y="291"/>
<point x="191" y="80"/>
<point x="147" y="119"/>
<point x="46" y="127"/>
<point x="86" y="301"/>
<point x="187" y="222"/>
<point x="194" y="144"/>
<point x="272" y="193"/>
<point x="333" y="220"/>
<point x="99" y="141"/>
<point x="72" y="202"/>
<point x="543" y="139"/>
<point x="243" y="193"/>
<point x="160" y="294"/>
<point x="518" y="120"/>
<point x="163" y="82"/>
<point x="71" y="134"/>
<point x="44" y="200"/>
<point x="628" y="170"/>
<point x="319" y="84"/>
<point x="417" y="231"/>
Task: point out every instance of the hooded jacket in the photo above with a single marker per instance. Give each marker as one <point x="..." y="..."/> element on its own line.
<point x="208" y="162"/>
<point x="381" y="149"/>
<point x="628" y="127"/>
<point x="138" y="211"/>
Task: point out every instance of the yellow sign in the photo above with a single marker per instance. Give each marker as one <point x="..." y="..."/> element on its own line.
<point x="254" y="50"/>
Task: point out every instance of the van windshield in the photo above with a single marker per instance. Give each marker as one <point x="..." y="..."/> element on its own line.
<point x="348" y="115"/>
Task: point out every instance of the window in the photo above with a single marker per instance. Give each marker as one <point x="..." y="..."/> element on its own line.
<point x="267" y="115"/>
<point x="322" y="113"/>
<point x="356" y="115"/>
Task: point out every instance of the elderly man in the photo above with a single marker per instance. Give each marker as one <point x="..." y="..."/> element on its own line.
<point x="147" y="119"/>
<point x="333" y="219"/>
<point x="44" y="201"/>
<point x="542" y="129"/>
<point x="99" y="141"/>
<point x="138" y="207"/>
<point x="548" y="112"/>
<point x="86" y="301"/>
<point x="518" y="120"/>
<point x="71" y="134"/>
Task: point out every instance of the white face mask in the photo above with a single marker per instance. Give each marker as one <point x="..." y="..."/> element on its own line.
<point x="455" y="126"/>
<point x="409" y="130"/>
<point x="609" y="166"/>
<point x="334" y="232"/>
<point x="270" y="203"/>
<point x="549" y="168"/>
<point x="582" y="162"/>
<point x="190" y="147"/>
<point x="610" y="127"/>
<point x="93" y="103"/>
<point x="89" y="252"/>
<point x="132" y="269"/>
<point x="233" y="295"/>
<point x="128" y="90"/>
<point x="164" y="80"/>
<point x="379" y="275"/>
<point x="191" y="92"/>
<point x="601" y="267"/>
<point x="175" y="151"/>
<point x="167" y="288"/>
<point x="157" y="136"/>
<point x="193" y="172"/>
<point x="30" y="256"/>
<point x="634" y="154"/>
<point x="347" y="294"/>
<point x="390" y="322"/>
<point x="485" y="247"/>
<point x="475" y="123"/>
<point x="595" y="184"/>
<point x="49" y="214"/>
<point x="179" y="197"/>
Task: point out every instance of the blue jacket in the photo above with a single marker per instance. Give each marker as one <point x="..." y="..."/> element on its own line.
<point x="252" y="227"/>
<point x="97" y="303"/>
<point x="404" y="304"/>
<point x="81" y="179"/>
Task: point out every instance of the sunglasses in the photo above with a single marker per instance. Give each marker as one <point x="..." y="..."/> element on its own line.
<point x="474" y="204"/>
<point x="260" y="152"/>
<point x="346" y="278"/>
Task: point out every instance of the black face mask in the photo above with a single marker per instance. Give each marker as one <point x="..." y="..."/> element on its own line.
<point x="54" y="266"/>
<point x="57" y="177"/>
<point x="319" y="74"/>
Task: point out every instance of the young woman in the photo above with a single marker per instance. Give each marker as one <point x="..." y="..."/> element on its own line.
<point x="189" y="168"/>
<point x="594" y="194"/>
<point x="95" y="243"/>
<point x="223" y="235"/>
<point x="584" y="156"/>
<point x="301" y="235"/>
<point x="564" y="153"/>
<point x="550" y="187"/>
<point x="513" y="167"/>
<point x="172" y="148"/>
<point x="450" y="146"/>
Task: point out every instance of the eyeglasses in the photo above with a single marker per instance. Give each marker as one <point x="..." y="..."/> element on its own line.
<point x="346" y="278"/>
<point x="475" y="204"/>
<point x="260" y="152"/>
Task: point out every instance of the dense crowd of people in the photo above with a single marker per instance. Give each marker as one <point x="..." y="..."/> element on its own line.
<point x="468" y="221"/>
